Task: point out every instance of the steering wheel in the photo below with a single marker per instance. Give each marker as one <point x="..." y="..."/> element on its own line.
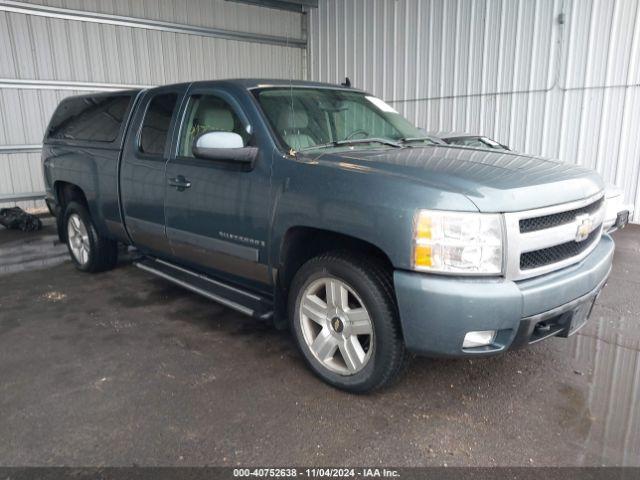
<point x="357" y="132"/>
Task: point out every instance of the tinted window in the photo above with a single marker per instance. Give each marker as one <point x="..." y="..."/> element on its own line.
<point x="207" y="113"/>
<point x="155" y="126"/>
<point x="96" y="119"/>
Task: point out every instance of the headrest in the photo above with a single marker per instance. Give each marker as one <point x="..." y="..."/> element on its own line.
<point x="219" y="119"/>
<point x="291" y="121"/>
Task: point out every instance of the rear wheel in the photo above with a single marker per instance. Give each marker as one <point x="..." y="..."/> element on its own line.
<point x="345" y="321"/>
<point x="89" y="251"/>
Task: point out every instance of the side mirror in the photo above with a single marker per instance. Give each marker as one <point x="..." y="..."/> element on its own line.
<point x="223" y="146"/>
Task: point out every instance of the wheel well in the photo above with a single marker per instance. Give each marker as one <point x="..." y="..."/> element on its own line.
<point x="68" y="192"/>
<point x="303" y="243"/>
<point x="65" y="193"/>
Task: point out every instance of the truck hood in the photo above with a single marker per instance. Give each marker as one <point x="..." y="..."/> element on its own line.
<point x="493" y="181"/>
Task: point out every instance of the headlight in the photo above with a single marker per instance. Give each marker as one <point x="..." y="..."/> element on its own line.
<point x="459" y="243"/>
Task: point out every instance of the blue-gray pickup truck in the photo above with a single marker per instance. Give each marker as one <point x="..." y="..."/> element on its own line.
<point x="320" y="208"/>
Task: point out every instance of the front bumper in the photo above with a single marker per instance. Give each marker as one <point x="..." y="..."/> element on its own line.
<point x="436" y="311"/>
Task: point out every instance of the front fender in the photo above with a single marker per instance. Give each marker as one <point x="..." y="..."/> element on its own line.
<point x="356" y="202"/>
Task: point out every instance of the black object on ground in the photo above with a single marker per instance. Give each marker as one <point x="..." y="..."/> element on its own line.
<point x="17" y="219"/>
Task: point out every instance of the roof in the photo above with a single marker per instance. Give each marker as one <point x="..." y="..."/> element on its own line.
<point x="246" y="83"/>
<point x="250" y="83"/>
<point x="281" y="82"/>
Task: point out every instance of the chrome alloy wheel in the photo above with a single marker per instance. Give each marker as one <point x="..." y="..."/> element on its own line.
<point x="336" y="326"/>
<point x="78" y="238"/>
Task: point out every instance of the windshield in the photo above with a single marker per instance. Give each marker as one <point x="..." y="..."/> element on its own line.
<point x="313" y="118"/>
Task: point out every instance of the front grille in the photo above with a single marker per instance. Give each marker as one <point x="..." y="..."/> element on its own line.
<point x="557" y="253"/>
<point x="557" y="219"/>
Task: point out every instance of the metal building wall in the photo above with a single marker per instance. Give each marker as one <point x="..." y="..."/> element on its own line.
<point x="50" y="49"/>
<point x="558" y="78"/>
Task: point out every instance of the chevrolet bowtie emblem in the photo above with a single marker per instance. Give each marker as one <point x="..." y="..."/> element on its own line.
<point x="585" y="225"/>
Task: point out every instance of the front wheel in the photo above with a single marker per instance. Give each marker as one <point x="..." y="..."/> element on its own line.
<point x="89" y="251"/>
<point x="345" y="322"/>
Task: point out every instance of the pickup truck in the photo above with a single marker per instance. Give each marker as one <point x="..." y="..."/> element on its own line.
<point x="320" y="208"/>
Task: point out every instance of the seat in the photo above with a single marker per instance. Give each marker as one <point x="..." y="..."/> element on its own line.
<point x="290" y="124"/>
<point x="209" y="117"/>
<point x="215" y="119"/>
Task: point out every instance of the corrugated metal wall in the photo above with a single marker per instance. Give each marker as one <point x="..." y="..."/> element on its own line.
<point x="559" y="78"/>
<point x="45" y="57"/>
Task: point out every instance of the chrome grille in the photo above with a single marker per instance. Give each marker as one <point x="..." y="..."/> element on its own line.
<point x="555" y="219"/>
<point x="547" y="256"/>
<point x="543" y="240"/>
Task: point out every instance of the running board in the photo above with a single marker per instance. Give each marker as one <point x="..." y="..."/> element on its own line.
<point x="249" y="303"/>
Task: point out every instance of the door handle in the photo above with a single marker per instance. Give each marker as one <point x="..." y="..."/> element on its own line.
<point x="180" y="183"/>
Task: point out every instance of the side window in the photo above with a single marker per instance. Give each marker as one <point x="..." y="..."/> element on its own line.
<point x="208" y="113"/>
<point x="155" y="127"/>
<point x="95" y="119"/>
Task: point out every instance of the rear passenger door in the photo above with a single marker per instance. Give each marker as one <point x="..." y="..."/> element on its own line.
<point x="218" y="224"/>
<point x="142" y="175"/>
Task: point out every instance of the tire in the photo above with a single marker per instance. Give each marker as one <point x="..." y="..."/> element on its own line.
<point x="328" y="327"/>
<point x="89" y="251"/>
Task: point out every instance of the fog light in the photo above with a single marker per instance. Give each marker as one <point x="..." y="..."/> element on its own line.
<point x="479" y="339"/>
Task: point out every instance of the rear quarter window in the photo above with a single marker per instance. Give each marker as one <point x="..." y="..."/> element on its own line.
<point x="89" y="118"/>
<point x="156" y="123"/>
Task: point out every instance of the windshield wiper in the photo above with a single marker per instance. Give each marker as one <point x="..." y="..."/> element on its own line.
<point x="339" y="143"/>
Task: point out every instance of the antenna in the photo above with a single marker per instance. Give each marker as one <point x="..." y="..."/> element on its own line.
<point x="346" y="83"/>
<point x="292" y="150"/>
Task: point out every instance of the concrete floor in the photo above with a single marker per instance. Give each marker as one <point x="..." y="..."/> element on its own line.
<point x="122" y="368"/>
